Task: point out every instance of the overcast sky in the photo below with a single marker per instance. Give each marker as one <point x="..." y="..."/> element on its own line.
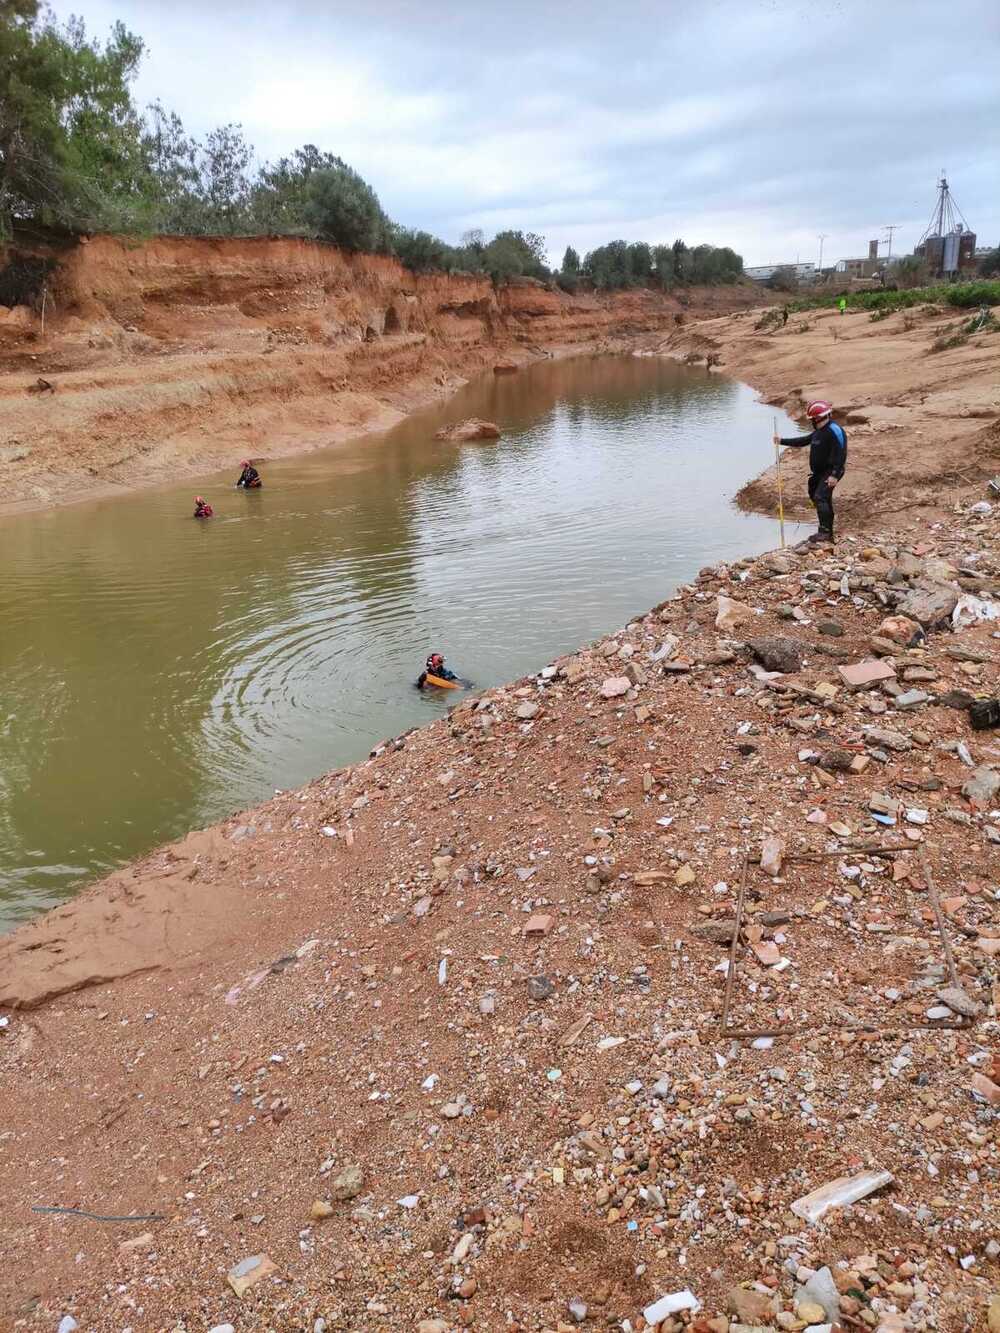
<point x="756" y="124"/>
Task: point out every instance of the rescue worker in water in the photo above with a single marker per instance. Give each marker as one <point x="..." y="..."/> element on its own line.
<point x="202" y="509"/>
<point x="434" y="666"/>
<point x="827" y="460"/>
<point x="249" y="477"/>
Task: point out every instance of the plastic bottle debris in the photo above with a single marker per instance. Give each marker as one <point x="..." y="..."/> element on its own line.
<point x="971" y="610"/>
<point x="843" y="1190"/>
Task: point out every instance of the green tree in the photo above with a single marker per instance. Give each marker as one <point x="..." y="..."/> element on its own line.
<point x="569" y="273"/>
<point x="989" y="265"/>
<point x="342" y="207"/>
<point x="69" y="135"/>
<point x="663" y="261"/>
<point x="640" y="263"/>
<point x="280" y="193"/>
<point x="421" y="251"/>
<point x="223" y="185"/>
<point x="514" y="254"/>
<point x="172" y="165"/>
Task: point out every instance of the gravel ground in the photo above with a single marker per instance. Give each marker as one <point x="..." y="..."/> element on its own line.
<point x="449" y="1048"/>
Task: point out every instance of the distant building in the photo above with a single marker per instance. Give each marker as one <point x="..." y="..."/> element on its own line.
<point x="861" y="268"/>
<point x="761" y="272"/>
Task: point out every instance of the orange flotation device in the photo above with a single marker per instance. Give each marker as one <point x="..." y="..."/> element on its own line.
<point x="441" y="683"/>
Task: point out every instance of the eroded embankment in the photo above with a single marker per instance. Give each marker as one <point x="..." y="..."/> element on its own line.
<point x="923" y="425"/>
<point x="175" y="356"/>
<point x="439" y="1033"/>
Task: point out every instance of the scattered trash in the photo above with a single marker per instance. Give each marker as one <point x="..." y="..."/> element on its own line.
<point x="983" y="714"/>
<point x="971" y="610"/>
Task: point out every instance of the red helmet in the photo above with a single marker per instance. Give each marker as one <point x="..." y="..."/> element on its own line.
<point x="819" y="409"/>
<point x="436" y="659"/>
<point x="245" y="462"/>
<point x="198" y="500"/>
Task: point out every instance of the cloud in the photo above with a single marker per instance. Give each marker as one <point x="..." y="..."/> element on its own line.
<point x="753" y="123"/>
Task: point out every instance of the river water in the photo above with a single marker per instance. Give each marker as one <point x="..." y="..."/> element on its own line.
<point x="158" y="674"/>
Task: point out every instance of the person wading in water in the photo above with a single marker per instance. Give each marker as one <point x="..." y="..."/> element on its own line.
<point x="827" y="460"/>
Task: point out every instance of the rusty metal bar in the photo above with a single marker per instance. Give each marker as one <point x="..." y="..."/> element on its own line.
<point x="734" y="944"/>
<point x="932" y="893"/>
<point x="845" y="851"/>
<point x="944" y="1025"/>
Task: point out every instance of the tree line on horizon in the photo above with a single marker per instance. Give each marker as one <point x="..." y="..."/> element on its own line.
<point x="76" y="153"/>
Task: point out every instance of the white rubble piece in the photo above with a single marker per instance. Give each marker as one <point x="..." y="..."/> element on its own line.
<point x="843" y="1190"/>
<point x="671" y="1304"/>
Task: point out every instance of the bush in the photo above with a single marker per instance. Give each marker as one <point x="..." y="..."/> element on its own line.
<point x="342" y="207"/>
<point x="964" y="295"/>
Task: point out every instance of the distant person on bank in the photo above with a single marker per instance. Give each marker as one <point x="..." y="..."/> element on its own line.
<point x="827" y="460"/>
<point x="202" y="509"/>
<point x="249" y="477"/>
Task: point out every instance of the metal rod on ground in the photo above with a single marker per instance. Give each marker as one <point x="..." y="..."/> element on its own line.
<point x="734" y="944"/>
<point x="939" y="916"/>
<point x="781" y="502"/>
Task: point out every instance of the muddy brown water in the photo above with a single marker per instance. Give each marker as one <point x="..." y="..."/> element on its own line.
<point x="158" y="674"/>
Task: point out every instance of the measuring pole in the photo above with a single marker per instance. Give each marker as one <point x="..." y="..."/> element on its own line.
<point x="781" y="503"/>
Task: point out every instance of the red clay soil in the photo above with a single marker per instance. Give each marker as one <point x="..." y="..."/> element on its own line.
<point x="175" y="357"/>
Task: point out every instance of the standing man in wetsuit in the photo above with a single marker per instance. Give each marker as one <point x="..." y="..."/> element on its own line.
<point x="827" y="460"/>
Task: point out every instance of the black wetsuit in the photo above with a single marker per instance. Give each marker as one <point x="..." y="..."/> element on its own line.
<point x="249" y="477"/>
<point x="827" y="458"/>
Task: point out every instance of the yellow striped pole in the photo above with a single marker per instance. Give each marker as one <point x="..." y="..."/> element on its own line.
<point x="781" y="502"/>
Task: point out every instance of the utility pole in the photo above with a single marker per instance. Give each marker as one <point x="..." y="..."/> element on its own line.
<point x="822" y="237"/>
<point x="894" y="226"/>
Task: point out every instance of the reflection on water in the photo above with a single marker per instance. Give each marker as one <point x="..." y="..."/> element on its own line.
<point x="157" y="674"/>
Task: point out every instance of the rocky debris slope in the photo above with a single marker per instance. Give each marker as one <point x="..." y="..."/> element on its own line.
<point x="456" y="1059"/>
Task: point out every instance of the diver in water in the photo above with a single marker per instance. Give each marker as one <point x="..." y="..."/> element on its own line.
<point x="249" y="477"/>
<point x="434" y="666"/>
<point x="202" y="509"/>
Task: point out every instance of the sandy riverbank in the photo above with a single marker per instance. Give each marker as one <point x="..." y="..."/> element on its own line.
<point x="177" y="357"/>
<point x="924" y="426"/>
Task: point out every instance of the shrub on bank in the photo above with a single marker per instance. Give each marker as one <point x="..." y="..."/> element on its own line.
<point x="962" y="295"/>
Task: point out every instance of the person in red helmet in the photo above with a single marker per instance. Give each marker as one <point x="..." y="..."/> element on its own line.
<point x="202" y="509"/>
<point x="827" y="460"/>
<point x="249" y="477"/>
<point x="434" y="666"/>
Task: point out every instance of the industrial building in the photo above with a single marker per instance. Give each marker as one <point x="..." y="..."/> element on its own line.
<point x="862" y="268"/>
<point x="948" y="245"/>
<point x="761" y="272"/>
